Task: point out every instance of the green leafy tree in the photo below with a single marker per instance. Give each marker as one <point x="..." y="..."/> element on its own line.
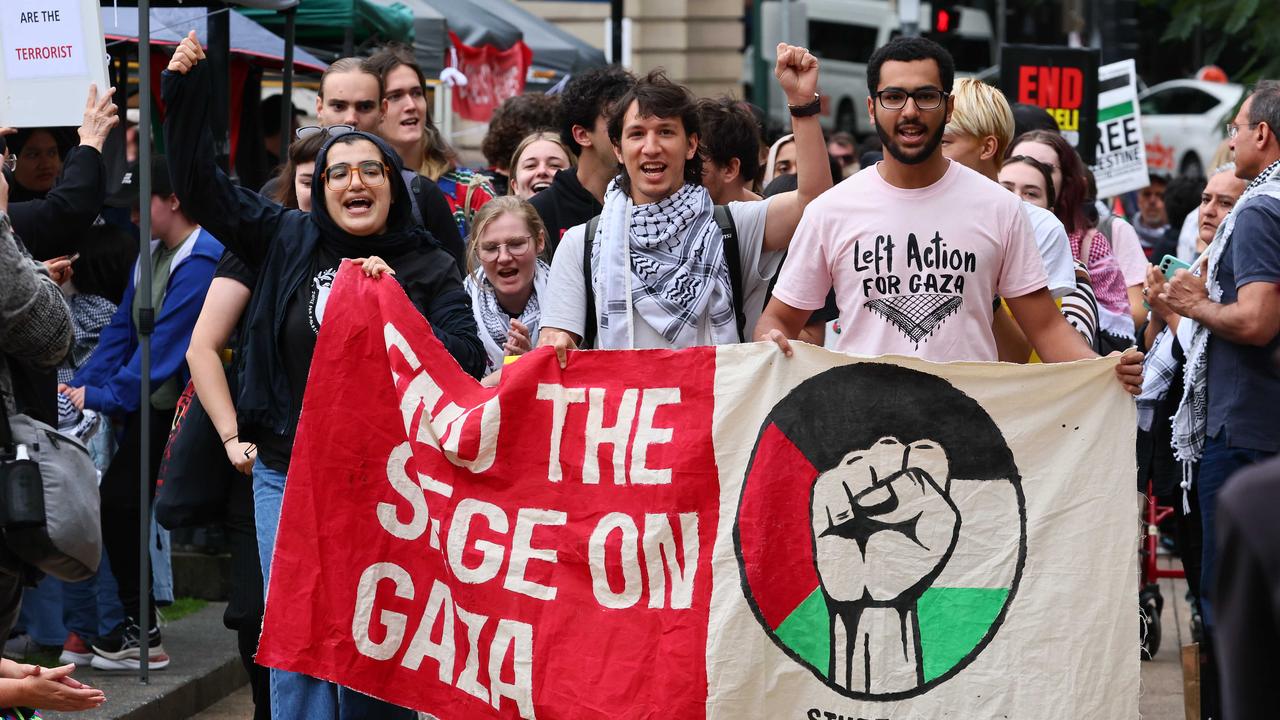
<point x="1251" y="25"/>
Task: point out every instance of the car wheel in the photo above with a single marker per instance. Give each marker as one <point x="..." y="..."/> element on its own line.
<point x="1191" y="166"/>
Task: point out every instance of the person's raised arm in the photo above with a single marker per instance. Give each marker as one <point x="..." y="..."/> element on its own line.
<point x="223" y="306"/>
<point x="797" y="73"/>
<point x="241" y="219"/>
<point x="53" y="225"/>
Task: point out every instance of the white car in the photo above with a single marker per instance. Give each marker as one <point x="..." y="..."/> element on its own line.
<point x="1183" y="122"/>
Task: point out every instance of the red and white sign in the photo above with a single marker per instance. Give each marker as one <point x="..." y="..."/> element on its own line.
<point x="50" y="50"/>
<point x="493" y="75"/>
<point x="708" y="533"/>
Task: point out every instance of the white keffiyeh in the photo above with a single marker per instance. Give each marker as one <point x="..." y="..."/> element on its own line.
<point x="662" y="263"/>
<point x="1192" y="418"/>
<point x="493" y="320"/>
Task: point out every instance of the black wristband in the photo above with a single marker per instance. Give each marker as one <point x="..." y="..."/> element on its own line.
<point x="807" y="110"/>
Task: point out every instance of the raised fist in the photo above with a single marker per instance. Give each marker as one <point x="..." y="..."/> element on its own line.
<point x="186" y="55"/>
<point x="883" y="522"/>
<point x="797" y="73"/>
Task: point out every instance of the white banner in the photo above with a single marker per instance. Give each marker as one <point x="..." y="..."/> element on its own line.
<point x="51" y="51"/>
<point x="1122" y="155"/>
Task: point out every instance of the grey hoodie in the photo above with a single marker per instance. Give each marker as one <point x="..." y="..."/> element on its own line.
<point x="35" y="325"/>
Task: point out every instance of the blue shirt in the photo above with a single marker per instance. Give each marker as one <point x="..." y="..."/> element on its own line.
<point x="1243" y="383"/>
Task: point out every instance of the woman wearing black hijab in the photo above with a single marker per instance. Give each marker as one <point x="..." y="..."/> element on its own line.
<point x="360" y="209"/>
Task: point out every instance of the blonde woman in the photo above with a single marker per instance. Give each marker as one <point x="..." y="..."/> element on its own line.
<point x="536" y="161"/>
<point x="506" y="277"/>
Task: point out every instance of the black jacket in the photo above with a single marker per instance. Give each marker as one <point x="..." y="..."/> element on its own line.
<point x="563" y="205"/>
<point x="53" y="225"/>
<point x="281" y="243"/>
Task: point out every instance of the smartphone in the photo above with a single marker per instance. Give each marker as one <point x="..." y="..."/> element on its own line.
<point x="1170" y="264"/>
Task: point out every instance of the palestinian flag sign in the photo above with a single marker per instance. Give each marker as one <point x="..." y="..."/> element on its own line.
<point x="715" y="532"/>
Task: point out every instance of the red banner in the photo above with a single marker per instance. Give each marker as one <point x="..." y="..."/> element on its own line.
<point x="437" y="551"/>
<point x="716" y="533"/>
<point x="493" y="75"/>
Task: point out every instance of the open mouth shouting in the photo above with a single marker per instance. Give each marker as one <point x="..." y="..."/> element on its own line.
<point x="912" y="134"/>
<point x="358" y="206"/>
<point x="653" y="171"/>
<point x="540" y="185"/>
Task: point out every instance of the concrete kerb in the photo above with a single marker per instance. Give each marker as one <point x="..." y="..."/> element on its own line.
<point x="205" y="667"/>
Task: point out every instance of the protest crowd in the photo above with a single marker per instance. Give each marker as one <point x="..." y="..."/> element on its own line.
<point x="623" y="212"/>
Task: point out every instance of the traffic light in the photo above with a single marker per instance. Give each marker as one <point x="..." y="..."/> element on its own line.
<point x="945" y="17"/>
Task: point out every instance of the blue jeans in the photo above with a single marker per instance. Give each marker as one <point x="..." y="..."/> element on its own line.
<point x="1218" y="463"/>
<point x="92" y="607"/>
<point x="294" y="695"/>
<point x="41" y="613"/>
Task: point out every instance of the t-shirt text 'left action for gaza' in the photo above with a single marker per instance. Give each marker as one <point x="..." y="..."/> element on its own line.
<point x="650" y="541"/>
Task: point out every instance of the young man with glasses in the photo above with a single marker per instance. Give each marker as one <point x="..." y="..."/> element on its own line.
<point x="917" y="246"/>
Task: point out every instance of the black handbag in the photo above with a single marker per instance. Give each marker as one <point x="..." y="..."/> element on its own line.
<point x="195" y="476"/>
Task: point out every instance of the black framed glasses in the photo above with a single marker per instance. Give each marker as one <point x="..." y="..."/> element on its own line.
<point x="307" y="131"/>
<point x="337" y="177"/>
<point x="925" y="98"/>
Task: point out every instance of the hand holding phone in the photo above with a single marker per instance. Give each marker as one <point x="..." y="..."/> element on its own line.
<point x="1169" y="265"/>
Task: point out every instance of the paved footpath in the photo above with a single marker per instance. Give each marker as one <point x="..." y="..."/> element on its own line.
<point x="205" y="668"/>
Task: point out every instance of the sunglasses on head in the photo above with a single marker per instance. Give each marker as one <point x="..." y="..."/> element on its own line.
<point x="307" y="131"/>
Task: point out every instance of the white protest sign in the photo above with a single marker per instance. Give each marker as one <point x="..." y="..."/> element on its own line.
<point x="1122" y="156"/>
<point x="51" y="51"/>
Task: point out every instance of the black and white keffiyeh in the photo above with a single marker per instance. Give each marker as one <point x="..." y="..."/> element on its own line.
<point x="89" y="315"/>
<point x="1191" y="421"/>
<point x="494" y="321"/>
<point x="664" y="261"/>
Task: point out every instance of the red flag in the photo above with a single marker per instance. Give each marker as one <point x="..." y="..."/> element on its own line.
<point x="493" y="75"/>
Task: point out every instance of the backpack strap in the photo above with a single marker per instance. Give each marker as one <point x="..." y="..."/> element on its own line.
<point x="733" y="258"/>
<point x="589" y="326"/>
<point x="411" y="181"/>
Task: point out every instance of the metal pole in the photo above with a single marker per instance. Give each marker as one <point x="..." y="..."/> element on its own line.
<point x="1001" y="28"/>
<point x="909" y="17"/>
<point x="286" y="88"/>
<point x="146" y="321"/>
<point x="759" y="73"/>
<point x="615" y="30"/>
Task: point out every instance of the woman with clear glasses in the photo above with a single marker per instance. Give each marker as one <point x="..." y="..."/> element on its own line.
<point x="360" y="212"/>
<point x="506" y="278"/>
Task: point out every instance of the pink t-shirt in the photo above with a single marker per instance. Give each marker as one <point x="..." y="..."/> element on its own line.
<point x="915" y="271"/>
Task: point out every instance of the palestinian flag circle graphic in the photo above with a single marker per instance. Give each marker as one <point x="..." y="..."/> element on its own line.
<point x="881" y="532"/>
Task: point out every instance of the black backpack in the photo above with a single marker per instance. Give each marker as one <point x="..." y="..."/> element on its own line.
<point x="728" y="233"/>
